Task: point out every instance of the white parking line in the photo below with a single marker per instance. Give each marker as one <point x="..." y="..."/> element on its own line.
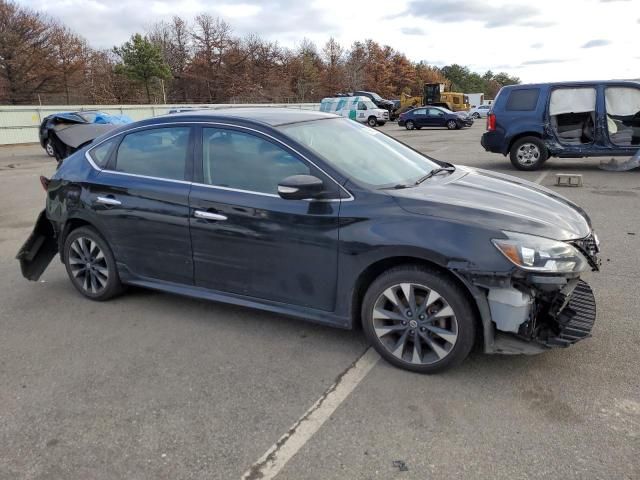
<point x="541" y="177"/>
<point x="274" y="460"/>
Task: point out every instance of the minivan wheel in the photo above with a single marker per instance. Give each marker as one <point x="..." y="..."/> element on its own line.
<point x="452" y="124"/>
<point x="418" y="319"/>
<point x="48" y="147"/>
<point x="528" y="153"/>
<point x="372" y="121"/>
<point x="90" y="264"/>
<point x="409" y="125"/>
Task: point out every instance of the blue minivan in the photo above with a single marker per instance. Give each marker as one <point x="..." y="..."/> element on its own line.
<point x="571" y="119"/>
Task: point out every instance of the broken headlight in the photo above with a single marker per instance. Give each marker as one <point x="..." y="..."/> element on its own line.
<point x="539" y="254"/>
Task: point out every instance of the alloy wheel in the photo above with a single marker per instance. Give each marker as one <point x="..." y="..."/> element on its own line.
<point x="88" y="265"/>
<point x="48" y="147"/>
<point x="528" y="154"/>
<point x="415" y="323"/>
<point x="451" y="124"/>
<point x="409" y="125"/>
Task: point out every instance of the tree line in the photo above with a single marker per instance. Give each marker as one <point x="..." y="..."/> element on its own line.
<point x="202" y="61"/>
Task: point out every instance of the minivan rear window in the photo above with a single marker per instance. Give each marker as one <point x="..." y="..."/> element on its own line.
<point x="524" y="99"/>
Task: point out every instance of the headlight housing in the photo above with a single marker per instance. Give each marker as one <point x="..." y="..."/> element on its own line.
<point x="539" y="254"/>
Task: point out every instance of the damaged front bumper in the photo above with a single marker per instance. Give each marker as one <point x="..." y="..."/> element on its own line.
<point x="527" y="313"/>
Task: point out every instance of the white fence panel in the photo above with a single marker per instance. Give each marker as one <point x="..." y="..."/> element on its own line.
<point x="19" y="124"/>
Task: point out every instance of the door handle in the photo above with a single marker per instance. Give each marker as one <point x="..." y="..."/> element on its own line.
<point x="108" y="201"/>
<point x="208" y="215"/>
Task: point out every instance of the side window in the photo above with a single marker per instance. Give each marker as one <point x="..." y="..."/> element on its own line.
<point x="434" y="112"/>
<point x="246" y="162"/>
<point x="525" y="99"/>
<point x="100" y="154"/>
<point x="420" y="111"/>
<point x="362" y="106"/>
<point x="158" y="152"/>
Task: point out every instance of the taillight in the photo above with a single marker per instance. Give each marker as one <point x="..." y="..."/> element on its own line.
<point x="44" y="181"/>
<point x="491" y="122"/>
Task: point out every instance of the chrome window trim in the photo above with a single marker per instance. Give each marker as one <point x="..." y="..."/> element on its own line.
<point x="92" y="163"/>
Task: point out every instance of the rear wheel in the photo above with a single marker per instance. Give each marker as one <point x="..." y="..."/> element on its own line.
<point x="372" y="121"/>
<point x="418" y="319"/>
<point x="528" y="153"/>
<point x="91" y="265"/>
<point x="409" y="125"/>
<point x="452" y="124"/>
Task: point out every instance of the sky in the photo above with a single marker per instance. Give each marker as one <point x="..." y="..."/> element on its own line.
<point x="542" y="41"/>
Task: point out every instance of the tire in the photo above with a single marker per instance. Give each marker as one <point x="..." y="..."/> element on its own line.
<point x="528" y="154"/>
<point x="475" y="115"/>
<point x="409" y="125"/>
<point x="84" y="247"/>
<point x="440" y="319"/>
<point x="48" y="147"/>
<point x="452" y="124"/>
<point x="372" y="121"/>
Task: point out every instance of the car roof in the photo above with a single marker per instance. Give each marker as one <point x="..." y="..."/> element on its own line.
<point x="584" y="83"/>
<point x="272" y="116"/>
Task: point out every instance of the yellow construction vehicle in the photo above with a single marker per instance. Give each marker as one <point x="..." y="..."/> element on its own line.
<point x="434" y="94"/>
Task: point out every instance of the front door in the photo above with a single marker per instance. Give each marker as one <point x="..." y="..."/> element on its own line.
<point x="435" y="117"/>
<point x="141" y="201"/>
<point x="248" y="240"/>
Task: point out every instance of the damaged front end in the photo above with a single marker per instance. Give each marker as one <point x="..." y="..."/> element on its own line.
<point x="542" y="304"/>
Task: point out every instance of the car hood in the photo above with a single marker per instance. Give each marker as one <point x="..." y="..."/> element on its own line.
<point x="496" y="201"/>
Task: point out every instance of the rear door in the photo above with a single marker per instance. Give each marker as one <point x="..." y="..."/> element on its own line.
<point x="420" y="117"/>
<point x="248" y="240"/>
<point x="141" y="200"/>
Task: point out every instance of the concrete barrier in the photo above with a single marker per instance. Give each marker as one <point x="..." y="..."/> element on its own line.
<point x="19" y="124"/>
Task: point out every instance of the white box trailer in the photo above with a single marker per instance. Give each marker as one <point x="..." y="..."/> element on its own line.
<point x="475" y="99"/>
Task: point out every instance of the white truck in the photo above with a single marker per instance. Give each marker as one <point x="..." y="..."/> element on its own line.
<point x="360" y="109"/>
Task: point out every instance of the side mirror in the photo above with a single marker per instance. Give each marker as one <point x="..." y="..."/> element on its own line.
<point x="300" y="187"/>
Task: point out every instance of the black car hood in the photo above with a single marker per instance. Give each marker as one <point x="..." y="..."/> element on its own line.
<point x="496" y="201"/>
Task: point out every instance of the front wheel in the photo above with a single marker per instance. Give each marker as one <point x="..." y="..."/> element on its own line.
<point x="528" y="153"/>
<point x="372" y="121"/>
<point x="418" y="319"/>
<point x="476" y="115"/>
<point x="452" y="124"/>
<point x="91" y="265"/>
<point x="48" y="147"/>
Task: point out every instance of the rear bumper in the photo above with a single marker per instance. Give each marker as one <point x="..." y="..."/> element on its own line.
<point x="36" y="253"/>
<point x="492" y="142"/>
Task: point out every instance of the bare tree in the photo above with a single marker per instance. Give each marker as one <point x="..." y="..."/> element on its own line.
<point x="25" y="51"/>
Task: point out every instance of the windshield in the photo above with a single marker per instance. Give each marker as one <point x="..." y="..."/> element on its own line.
<point x="361" y="153"/>
<point x="376" y="96"/>
<point x="446" y="110"/>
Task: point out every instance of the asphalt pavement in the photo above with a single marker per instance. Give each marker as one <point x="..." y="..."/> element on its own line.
<point x="151" y="385"/>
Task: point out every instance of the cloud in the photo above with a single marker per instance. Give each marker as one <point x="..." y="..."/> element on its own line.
<point x="545" y="61"/>
<point x="599" y="42"/>
<point x="537" y="45"/>
<point x="476" y="10"/>
<point x="413" y="31"/>
<point x="106" y="23"/>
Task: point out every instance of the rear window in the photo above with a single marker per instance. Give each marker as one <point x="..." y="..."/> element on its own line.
<point x="523" y="100"/>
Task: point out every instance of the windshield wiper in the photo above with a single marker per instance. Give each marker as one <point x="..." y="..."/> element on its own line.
<point x="433" y="172"/>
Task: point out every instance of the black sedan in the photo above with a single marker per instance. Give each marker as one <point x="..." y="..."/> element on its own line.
<point x="433" y="117"/>
<point x="319" y="217"/>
